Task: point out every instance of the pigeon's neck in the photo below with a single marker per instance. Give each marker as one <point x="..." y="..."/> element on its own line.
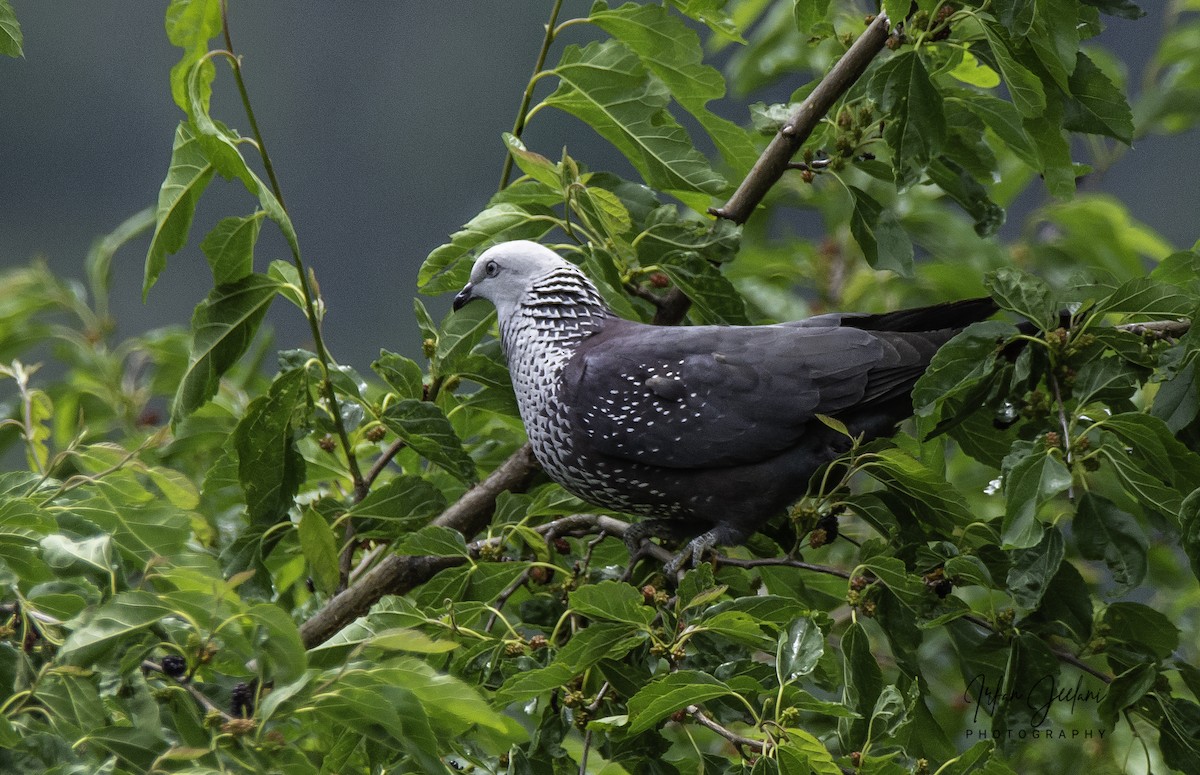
<point x="560" y="310"/>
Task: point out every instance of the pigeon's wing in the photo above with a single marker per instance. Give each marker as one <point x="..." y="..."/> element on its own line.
<point x="712" y="396"/>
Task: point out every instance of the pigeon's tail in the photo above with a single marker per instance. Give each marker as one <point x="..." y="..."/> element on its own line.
<point x="955" y="315"/>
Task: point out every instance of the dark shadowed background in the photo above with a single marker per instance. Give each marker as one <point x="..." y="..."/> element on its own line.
<point x="383" y="121"/>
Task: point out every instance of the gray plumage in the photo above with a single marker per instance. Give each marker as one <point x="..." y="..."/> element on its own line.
<point x="708" y="430"/>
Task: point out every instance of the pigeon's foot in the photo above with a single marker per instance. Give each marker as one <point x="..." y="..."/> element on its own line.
<point x="693" y="554"/>
<point x="639" y="532"/>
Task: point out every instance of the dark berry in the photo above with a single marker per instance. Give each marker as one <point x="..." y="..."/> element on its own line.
<point x="174" y="665"/>
<point x="242" y="700"/>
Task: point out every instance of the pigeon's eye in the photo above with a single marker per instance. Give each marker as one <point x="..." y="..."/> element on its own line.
<point x="491" y="269"/>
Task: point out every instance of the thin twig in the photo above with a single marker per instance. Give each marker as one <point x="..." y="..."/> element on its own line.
<point x="310" y="306"/>
<point x="382" y="462"/>
<point x="785" y="562"/>
<point x="503" y="597"/>
<point x="527" y="97"/>
<point x="1062" y="655"/>
<point x="397" y="574"/>
<point x="774" y="160"/>
<point x="199" y="696"/>
<point x="739" y="740"/>
<point x="1160" y="329"/>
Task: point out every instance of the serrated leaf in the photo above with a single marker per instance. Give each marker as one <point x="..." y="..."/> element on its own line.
<point x="320" y="548"/>
<point x="434" y="541"/>
<point x="1032" y="481"/>
<point x="1026" y="89"/>
<point x="672" y="51"/>
<point x="916" y="127"/>
<point x="270" y="469"/>
<point x="10" y="31"/>
<point x="449" y="266"/>
<point x="187" y="176"/>
<point x="612" y="601"/>
<point x="402" y="375"/>
<point x="878" y="233"/>
<point x="425" y="429"/>
<point x="671" y="693"/>
<point x="805" y="753"/>
<point x="1140" y="624"/>
<point x="798" y="650"/>
<point x="1124" y="690"/>
<point x="605" y="85"/>
<point x="1033" y="568"/>
<point x="229" y="247"/>
<point x="1104" y="532"/>
<point x="115" y="621"/>
<point x="223" y="326"/>
<point x="401" y="505"/>
<point x="1025" y="294"/>
<point x="601" y="640"/>
<point x="533" y="164"/>
<point x="940" y="504"/>
<point x="1004" y="120"/>
<point x="1097" y="106"/>
<point x="190" y="25"/>
<point x="714" y="298"/>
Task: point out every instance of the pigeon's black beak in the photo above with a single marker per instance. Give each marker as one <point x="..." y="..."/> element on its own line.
<point x="463" y="297"/>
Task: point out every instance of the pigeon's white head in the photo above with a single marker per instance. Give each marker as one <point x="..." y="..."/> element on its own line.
<point x="506" y="273"/>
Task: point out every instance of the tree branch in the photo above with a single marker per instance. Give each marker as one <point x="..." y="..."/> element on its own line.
<point x="774" y="160"/>
<point x="397" y="574"/>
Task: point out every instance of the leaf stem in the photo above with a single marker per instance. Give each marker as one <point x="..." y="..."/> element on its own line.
<point x="527" y="97"/>
<point x="310" y="306"/>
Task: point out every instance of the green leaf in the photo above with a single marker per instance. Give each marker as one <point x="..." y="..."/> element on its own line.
<point x="939" y="503"/>
<point x="916" y="127"/>
<point x="1030" y="482"/>
<point x="434" y="541"/>
<point x="190" y="25"/>
<point x="715" y="299"/>
<point x="862" y="683"/>
<point x="1104" y="532"/>
<point x="878" y="233"/>
<point x="320" y="548"/>
<point x="1025" y="294"/>
<point x="112" y="623"/>
<point x="600" y="640"/>
<point x="1141" y="625"/>
<point x="1055" y="39"/>
<point x="1146" y="296"/>
<point x="1004" y="120"/>
<point x="270" y="469"/>
<point x="670" y="693"/>
<point x="67" y="556"/>
<point x="10" y="31"/>
<point x="1097" y="106"/>
<point x="399" y="506"/>
<point x="1178" y="399"/>
<point x="1189" y="518"/>
<point x="533" y="164"/>
<point x="672" y="51"/>
<point x="402" y="375"/>
<point x="187" y="176"/>
<point x="810" y="16"/>
<point x="448" y="267"/>
<point x="1026" y="89"/>
<point x="1033" y="568"/>
<point x="525" y="686"/>
<point x="229" y="247"/>
<point x="805" y="753"/>
<point x="1027" y="692"/>
<point x="223" y="326"/>
<point x="606" y="86"/>
<point x="612" y="601"/>
<point x="959" y="367"/>
<point x="960" y="186"/>
<point x="798" y="650"/>
<point x="426" y="430"/>
<point x="1125" y="690"/>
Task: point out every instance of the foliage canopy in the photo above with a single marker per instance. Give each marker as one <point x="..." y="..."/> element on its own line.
<point x="189" y="553"/>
